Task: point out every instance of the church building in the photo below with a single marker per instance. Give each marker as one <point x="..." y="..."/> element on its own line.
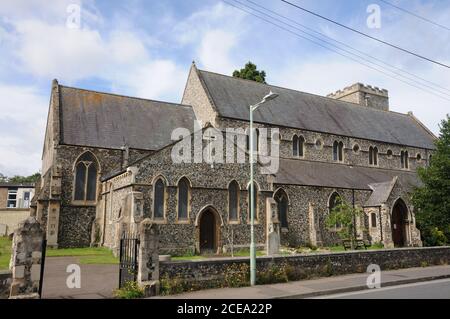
<point x="108" y="163"/>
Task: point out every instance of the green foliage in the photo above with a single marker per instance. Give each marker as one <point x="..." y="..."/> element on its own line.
<point x="25" y="179"/>
<point x="432" y="200"/>
<point x="273" y="274"/>
<point x="130" y="290"/>
<point x="20" y="179"/>
<point x="250" y="72"/>
<point x="5" y="252"/>
<point x="237" y="275"/>
<point x="344" y="214"/>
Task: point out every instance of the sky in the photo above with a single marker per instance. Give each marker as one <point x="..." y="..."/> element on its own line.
<point x="145" y="49"/>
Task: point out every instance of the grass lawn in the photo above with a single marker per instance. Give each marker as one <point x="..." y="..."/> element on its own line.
<point x="89" y="255"/>
<point x="5" y="253"/>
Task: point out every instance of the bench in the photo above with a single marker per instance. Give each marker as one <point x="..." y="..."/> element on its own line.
<point x="359" y="244"/>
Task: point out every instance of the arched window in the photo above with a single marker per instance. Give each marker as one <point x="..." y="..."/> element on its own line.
<point x="255" y="139"/>
<point x="86" y="170"/>
<point x="338" y="151"/>
<point x="233" y="201"/>
<point x="404" y="159"/>
<point x="335" y="150"/>
<point x="255" y="200"/>
<point x="183" y="198"/>
<point x="373" y="156"/>
<point x="283" y="204"/>
<point x="341" y="152"/>
<point x="298" y="144"/>
<point x="295" y="145"/>
<point x="159" y="198"/>
<point x="334" y="201"/>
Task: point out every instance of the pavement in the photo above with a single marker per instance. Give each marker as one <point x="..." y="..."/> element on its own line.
<point x="436" y="289"/>
<point x="320" y="287"/>
<point x="96" y="281"/>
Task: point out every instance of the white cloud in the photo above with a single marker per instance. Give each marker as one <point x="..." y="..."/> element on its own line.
<point x="22" y="127"/>
<point x="214" y="51"/>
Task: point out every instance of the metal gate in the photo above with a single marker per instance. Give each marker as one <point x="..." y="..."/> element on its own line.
<point x="41" y="279"/>
<point x="129" y="249"/>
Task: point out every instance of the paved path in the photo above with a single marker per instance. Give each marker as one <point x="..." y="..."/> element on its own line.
<point x="317" y="287"/>
<point x="97" y="281"/>
<point x="436" y="289"/>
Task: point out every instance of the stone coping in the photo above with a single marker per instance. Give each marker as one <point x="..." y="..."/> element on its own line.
<point x="5" y="273"/>
<point x="268" y="258"/>
<point x="10" y="209"/>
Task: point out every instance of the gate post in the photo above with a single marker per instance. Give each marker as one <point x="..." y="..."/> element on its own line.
<point x="26" y="259"/>
<point x="148" y="263"/>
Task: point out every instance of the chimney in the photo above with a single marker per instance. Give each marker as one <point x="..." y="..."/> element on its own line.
<point x="364" y="95"/>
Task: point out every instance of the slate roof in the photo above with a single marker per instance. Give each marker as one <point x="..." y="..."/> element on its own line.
<point x="309" y="173"/>
<point x="96" y="119"/>
<point x="381" y="192"/>
<point x="232" y="96"/>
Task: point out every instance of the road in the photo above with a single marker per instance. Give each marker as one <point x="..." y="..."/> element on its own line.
<point x="437" y="289"/>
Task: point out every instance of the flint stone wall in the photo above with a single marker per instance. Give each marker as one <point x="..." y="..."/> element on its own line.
<point x="306" y="266"/>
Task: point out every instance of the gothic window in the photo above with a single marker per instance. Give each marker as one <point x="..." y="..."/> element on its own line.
<point x="159" y="198"/>
<point x="255" y="200"/>
<point x="295" y="145"/>
<point x="233" y="201"/>
<point x="373" y="156"/>
<point x="283" y="204"/>
<point x="338" y="151"/>
<point x="404" y="160"/>
<point x="86" y="169"/>
<point x="333" y="202"/>
<point x="373" y="220"/>
<point x="183" y="198"/>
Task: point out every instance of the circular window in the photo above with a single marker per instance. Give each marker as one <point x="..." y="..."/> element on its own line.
<point x="319" y="143"/>
<point x="419" y="157"/>
<point x="389" y="153"/>
<point x="356" y="148"/>
<point x="276" y="136"/>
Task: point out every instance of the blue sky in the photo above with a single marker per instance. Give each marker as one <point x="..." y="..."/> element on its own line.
<point x="145" y="48"/>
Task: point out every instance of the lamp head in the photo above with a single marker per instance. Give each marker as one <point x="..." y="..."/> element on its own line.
<point x="269" y="97"/>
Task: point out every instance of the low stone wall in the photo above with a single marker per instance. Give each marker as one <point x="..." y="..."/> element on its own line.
<point x="11" y="217"/>
<point x="5" y="283"/>
<point x="220" y="272"/>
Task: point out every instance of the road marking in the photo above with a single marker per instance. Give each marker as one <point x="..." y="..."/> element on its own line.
<point x="368" y="291"/>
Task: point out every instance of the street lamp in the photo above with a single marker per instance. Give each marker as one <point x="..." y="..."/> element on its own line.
<point x="267" y="98"/>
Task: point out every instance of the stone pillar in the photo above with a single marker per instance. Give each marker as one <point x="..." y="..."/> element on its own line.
<point x="312" y="226"/>
<point x="148" y="270"/>
<point x="386" y="224"/>
<point x="272" y="228"/>
<point x="53" y="224"/>
<point x="26" y="259"/>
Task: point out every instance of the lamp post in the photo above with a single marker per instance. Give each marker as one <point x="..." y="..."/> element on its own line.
<point x="267" y="98"/>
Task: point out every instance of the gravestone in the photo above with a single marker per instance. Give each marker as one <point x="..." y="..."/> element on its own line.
<point x="148" y="262"/>
<point x="26" y="259"/>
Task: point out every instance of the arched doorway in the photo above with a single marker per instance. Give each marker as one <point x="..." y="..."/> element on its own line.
<point x="398" y="223"/>
<point x="209" y="231"/>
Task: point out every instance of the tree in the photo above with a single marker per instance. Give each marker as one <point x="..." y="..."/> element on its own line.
<point x="249" y="72"/>
<point x="344" y="214"/>
<point x="432" y="199"/>
<point x="25" y="179"/>
<point x="3" y="178"/>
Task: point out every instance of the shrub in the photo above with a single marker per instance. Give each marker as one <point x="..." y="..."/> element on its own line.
<point x="237" y="275"/>
<point x="130" y="290"/>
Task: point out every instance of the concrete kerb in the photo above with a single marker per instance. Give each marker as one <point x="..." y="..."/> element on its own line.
<point x="361" y="287"/>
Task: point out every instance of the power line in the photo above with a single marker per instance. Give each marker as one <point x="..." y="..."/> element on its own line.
<point x="367" y="35"/>
<point x="415" y="15"/>
<point x="343" y="44"/>
<point x="328" y="48"/>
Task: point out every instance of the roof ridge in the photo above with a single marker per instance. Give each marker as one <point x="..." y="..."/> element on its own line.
<point x="303" y="92"/>
<point x="125" y="96"/>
